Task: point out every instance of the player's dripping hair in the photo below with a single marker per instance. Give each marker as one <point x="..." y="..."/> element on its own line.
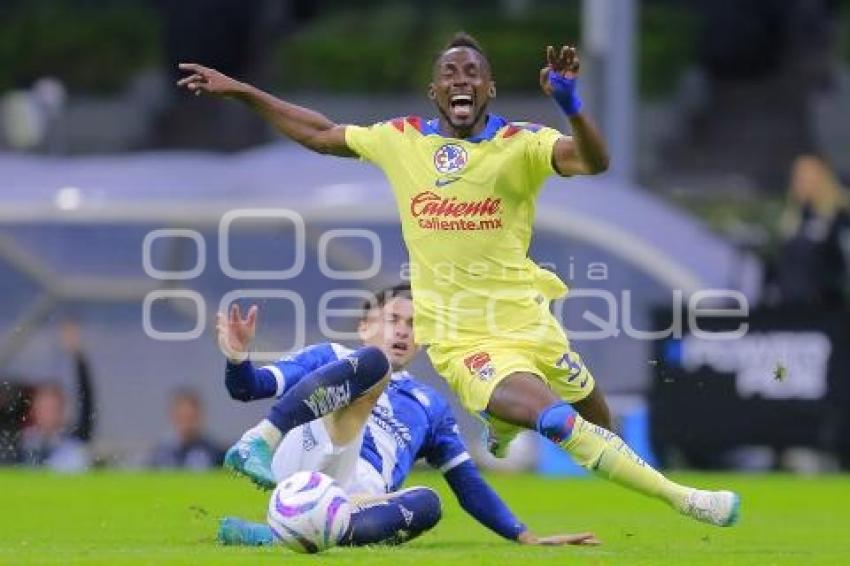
<point x="382" y="297"/>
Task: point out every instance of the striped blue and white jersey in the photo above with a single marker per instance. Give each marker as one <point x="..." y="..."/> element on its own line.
<point x="410" y="420"/>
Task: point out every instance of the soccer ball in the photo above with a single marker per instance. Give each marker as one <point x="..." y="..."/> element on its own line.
<point x="309" y="512"/>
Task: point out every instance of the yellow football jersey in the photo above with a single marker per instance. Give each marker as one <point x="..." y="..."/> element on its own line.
<point x="467" y="210"/>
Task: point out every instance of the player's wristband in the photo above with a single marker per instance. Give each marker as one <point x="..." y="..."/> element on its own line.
<point x="564" y="92"/>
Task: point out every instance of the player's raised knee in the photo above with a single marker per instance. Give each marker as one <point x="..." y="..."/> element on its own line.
<point x="370" y="365"/>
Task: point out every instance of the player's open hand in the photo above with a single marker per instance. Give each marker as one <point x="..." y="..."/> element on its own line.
<point x="578" y="539"/>
<point x="564" y="62"/>
<point x="205" y="80"/>
<point x="235" y="333"/>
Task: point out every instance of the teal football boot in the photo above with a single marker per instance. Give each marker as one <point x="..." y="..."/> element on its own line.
<point x="239" y="532"/>
<point x="252" y="458"/>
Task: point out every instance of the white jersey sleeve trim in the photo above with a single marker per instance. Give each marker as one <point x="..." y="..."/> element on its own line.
<point x="340" y="351"/>
<point x="278" y="377"/>
<point x="454" y="462"/>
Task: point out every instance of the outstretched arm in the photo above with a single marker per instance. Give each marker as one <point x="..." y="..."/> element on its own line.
<point x="307" y="127"/>
<point x="447" y="452"/>
<point x="479" y="500"/>
<point x="584" y="153"/>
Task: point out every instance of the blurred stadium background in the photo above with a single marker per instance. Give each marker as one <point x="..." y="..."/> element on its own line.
<point x="705" y="104"/>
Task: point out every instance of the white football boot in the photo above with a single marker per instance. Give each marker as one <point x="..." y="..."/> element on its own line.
<point x="720" y="508"/>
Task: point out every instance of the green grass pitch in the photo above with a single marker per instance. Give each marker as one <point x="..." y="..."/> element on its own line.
<point x="142" y="518"/>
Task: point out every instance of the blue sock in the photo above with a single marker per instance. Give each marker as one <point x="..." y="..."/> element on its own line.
<point x="398" y="520"/>
<point x="556" y="422"/>
<point x="329" y="388"/>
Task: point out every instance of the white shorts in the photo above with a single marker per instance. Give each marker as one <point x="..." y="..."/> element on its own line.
<point x="309" y="448"/>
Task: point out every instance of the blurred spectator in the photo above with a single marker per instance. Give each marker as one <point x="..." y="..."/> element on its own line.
<point x="13" y="401"/>
<point x="47" y="441"/>
<point x="813" y="265"/>
<point x="28" y="117"/>
<point x="188" y="447"/>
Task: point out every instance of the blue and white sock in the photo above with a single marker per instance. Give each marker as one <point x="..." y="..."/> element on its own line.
<point x="402" y="517"/>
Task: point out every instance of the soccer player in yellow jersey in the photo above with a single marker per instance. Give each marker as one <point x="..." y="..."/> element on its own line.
<point x="466" y="183"/>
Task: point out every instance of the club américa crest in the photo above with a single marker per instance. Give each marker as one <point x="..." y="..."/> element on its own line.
<point x="450" y="158"/>
<point x="480" y="364"/>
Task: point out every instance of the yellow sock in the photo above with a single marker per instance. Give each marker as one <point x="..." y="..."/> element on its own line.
<point x="604" y="453"/>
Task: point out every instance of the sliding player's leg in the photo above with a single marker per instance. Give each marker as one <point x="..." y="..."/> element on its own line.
<point x="526" y="400"/>
<point x="394" y="518"/>
<point x="323" y="446"/>
<point x="329" y="389"/>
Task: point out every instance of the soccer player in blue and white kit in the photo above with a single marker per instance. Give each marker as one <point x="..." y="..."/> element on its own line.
<point x="371" y="458"/>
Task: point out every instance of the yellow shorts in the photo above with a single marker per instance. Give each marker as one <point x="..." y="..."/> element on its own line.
<point x="474" y="368"/>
